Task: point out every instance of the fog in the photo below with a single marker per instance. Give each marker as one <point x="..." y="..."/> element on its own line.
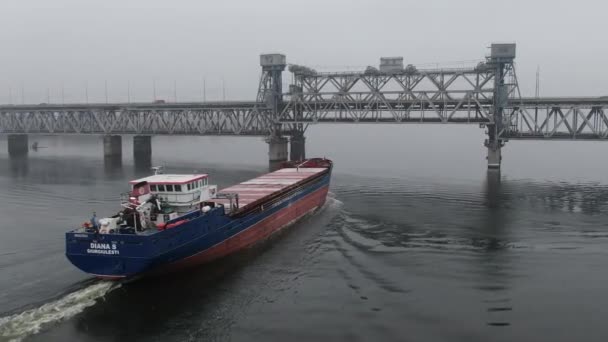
<point x="70" y="47"/>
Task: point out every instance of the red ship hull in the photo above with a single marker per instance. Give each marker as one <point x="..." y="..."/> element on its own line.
<point x="256" y="233"/>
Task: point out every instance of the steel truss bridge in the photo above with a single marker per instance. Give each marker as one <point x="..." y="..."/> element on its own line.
<point x="464" y="96"/>
<point x="486" y="95"/>
<point x="527" y="118"/>
<point x="228" y="118"/>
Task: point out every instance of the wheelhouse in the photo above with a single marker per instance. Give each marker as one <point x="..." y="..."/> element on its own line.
<point x="176" y="190"/>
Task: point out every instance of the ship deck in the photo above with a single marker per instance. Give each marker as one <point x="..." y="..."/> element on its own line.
<point x="254" y="191"/>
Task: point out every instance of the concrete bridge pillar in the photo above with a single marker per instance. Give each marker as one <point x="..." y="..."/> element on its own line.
<point x="277" y="152"/>
<point x="17" y="145"/>
<point x="112" y="147"/>
<point x="494" y="157"/>
<point x="494" y="145"/>
<point x="297" y="147"/>
<point x="142" y="152"/>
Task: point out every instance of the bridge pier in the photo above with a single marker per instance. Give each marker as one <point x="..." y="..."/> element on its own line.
<point x="112" y="149"/>
<point x="142" y="152"/>
<point x="17" y="145"/>
<point x="297" y="144"/>
<point x="277" y="151"/>
<point x="494" y="157"/>
<point x="112" y="146"/>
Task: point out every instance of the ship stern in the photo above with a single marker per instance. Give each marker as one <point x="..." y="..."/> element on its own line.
<point x="108" y="256"/>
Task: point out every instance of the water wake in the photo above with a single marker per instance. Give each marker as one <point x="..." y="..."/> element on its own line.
<point x="18" y="326"/>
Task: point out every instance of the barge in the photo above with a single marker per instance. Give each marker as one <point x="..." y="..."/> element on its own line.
<point x="169" y="222"/>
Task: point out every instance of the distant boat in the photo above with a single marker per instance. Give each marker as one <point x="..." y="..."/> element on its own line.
<point x="35" y="146"/>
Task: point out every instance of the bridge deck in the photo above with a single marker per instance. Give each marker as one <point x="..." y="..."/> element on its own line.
<point x="129" y="106"/>
<point x="546" y="118"/>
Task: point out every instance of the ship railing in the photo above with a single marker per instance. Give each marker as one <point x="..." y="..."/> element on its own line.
<point x="232" y="197"/>
<point x="170" y="198"/>
<point x="180" y="198"/>
<point x="124" y="200"/>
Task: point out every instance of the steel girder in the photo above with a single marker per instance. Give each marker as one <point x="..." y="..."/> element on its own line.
<point x="420" y="96"/>
<point x="567" y="120"/>
<point x="220" y="120"/>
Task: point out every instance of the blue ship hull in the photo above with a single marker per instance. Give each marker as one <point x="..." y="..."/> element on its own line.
<point x="204" y="237"/>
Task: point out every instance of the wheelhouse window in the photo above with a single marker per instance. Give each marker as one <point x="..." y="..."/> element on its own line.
<point x="153" y="187"/>
<point x="188" y="186"/>
<point x="177" y="187"/>
<point x="161" y="188"/>
<point x="169" y="187"/>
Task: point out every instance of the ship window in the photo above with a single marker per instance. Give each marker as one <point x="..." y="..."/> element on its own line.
<point x="153" y="187"/>
<point x="188" y="186"/>
<point x="177" y="187"/>
<point x="200" y="183"/>
<point x="161" y="187"/>
<point x="169" y="187"/>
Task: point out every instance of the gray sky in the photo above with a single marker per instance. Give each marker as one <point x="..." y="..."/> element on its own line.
<point x="45" y="44"/>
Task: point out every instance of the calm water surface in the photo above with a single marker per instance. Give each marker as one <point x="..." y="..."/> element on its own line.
<point x="416" y="243"/>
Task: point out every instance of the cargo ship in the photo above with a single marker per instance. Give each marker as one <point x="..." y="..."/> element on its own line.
<point x="169" y="222"/>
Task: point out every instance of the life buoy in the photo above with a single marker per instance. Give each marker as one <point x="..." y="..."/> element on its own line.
<point x="176" y="223"/>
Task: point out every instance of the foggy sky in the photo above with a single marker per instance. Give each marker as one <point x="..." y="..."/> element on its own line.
<point x="49" y="44"/>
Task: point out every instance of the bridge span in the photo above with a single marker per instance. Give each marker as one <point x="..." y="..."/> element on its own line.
<point x="486" y="95"/>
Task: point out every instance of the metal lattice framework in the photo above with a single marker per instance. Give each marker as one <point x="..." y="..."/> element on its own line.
<point x="487" y="95"/>
<point x="229" y="118"/>
<point x="415" y="96"/>
<point x="557" y="118"/>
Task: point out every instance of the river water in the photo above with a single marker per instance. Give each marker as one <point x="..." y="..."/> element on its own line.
<point x="416" y="243"/>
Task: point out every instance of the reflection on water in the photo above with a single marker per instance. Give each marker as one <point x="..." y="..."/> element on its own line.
<point x="19" y="166"/>
<point x="143" y="163"/>
<point x="495" y="263"/>
<point x="112" y="166"/>
<point x="493" y="189"/>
